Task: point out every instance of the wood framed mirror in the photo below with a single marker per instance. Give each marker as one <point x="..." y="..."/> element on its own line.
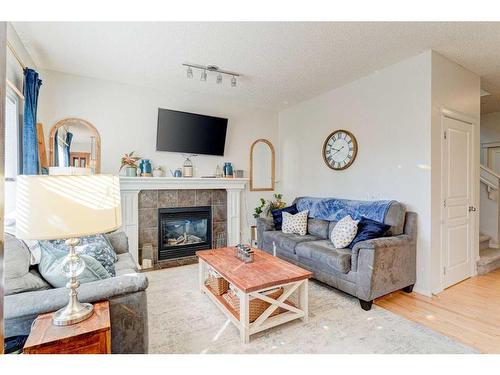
<point x="74" y="142"/>
<point x="262" y="166"/>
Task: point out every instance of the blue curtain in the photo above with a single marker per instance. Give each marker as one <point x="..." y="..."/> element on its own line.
<point x="30" y="143"/>
<point x="69" y="137"/>
<point x="56" y="148"/>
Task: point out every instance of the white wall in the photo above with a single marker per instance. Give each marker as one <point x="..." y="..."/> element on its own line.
<point x="458" y="89"/>
<point x="490" y="127"/>
<point x="14" y="69"/>
<point x="395" y="115"/>
<point x="490" y="131"/>
<point x="389" y="113"/>
<point x="126" y="118"/>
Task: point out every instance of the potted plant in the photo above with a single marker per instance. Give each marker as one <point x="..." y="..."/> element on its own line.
<point x="129" y="162"/>
<point x="276" y="204"/>
<point x="259" y="209"/>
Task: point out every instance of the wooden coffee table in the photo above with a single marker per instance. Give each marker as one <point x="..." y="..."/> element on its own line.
<point x="252" y="280"/>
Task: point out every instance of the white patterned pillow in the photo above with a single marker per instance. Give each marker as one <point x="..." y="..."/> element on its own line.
<point x="295" y="224"/>
<point x="344" y="232"/>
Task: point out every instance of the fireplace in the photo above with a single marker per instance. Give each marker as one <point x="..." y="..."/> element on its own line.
<point x="183" y="230"/>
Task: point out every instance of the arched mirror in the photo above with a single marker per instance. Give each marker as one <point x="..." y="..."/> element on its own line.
<point x="75" y="142"/>
<point x="262" y="166"/>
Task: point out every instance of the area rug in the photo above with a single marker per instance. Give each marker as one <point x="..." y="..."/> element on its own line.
<point x="183" y="320"/>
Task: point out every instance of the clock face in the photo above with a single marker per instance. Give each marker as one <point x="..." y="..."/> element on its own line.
<point x="340" y="149"/>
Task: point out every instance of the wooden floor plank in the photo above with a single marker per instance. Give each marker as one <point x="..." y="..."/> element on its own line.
<point x="468" y="312"/>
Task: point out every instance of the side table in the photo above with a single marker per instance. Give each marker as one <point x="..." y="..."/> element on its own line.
<point x="92" y="336"/>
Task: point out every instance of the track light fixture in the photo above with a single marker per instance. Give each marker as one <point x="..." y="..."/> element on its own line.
<point x="211" y="68"/>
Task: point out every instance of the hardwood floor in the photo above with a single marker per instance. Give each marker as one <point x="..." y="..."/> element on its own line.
<point x="468" y="312"/>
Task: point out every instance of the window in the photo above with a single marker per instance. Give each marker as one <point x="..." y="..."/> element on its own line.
<point x="12" y="151"/>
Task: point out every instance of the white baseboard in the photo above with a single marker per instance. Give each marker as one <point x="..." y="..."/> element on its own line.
<point x="422" y="291"/>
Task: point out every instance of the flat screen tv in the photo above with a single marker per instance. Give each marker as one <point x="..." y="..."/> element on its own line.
<point x="190" y="133"/>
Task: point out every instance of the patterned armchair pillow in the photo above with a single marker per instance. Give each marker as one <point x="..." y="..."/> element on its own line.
<point x="96" y="251"/>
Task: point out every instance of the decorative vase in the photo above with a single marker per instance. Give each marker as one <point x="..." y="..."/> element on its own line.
<point x="228" y="169"/>
<point x="157" y="172"/>
<point x="131" y="172"/>
<point x="145" y="167"/>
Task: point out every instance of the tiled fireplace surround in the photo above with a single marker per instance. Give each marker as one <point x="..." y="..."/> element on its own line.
<point x="151" y="200"/>
<point x="142" y="196"/>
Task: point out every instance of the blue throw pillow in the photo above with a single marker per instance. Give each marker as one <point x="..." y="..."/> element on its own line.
<point x="278" y="215"/>
<point x="368" y="229"/>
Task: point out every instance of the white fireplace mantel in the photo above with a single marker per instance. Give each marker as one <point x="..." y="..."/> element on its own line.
<point x="131" y="186"/>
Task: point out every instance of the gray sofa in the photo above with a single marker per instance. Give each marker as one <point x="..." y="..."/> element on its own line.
<point x="371" y="269"/>
<point x="28" y="295"/>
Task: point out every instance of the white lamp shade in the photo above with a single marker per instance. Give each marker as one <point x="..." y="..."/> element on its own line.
<point x="58" y="207"/>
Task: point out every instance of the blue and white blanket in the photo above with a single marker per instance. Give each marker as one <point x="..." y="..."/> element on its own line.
<point x="334" y="209"/>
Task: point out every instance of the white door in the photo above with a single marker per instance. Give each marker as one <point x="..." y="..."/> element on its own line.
<point x="458" y="206"/>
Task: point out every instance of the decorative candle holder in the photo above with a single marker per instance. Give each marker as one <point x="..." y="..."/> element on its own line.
<point x="244" y="253"/>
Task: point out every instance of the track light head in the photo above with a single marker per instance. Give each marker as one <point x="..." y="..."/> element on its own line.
<point x="203" y="76"/>
<point x="233" y="81"/>
<point x="219" y="79"/>
<point x="189" y="72"/>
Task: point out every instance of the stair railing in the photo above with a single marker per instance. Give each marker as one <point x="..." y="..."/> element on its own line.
<point x="492" y="181"/>
<point x="489" y="211"/>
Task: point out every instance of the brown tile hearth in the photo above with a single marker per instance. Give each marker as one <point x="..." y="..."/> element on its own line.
<point x="151" y="200"/>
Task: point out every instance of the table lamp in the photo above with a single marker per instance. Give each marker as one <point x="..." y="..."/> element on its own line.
<point x="68" y="207"/>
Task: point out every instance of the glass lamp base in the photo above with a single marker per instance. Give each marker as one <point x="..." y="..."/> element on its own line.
<point x="72" y="313"/>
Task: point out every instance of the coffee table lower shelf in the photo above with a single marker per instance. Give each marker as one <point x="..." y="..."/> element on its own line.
<point x="288" y="310"/>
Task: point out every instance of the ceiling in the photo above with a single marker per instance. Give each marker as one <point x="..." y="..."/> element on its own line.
<point x="282" y="63"/>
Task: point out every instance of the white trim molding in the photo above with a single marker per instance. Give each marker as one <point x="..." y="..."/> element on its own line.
<point x="131" y="186"/>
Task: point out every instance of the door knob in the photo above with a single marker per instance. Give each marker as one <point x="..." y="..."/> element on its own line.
<point x="472" y="209"/>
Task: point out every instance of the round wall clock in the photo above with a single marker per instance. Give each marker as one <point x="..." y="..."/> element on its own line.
<point x="340" y="149"/>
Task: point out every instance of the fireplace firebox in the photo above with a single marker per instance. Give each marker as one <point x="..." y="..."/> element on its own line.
<point x="183" y="230"/>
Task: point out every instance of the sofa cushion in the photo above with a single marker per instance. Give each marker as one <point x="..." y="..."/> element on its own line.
<point x="17" y="257"/>
<point x="395" y="217"/>
<point x="118" y="241"/>
<point x="330" y="228"/>
<point x="318" y="228"/>
<point x="29" y="282"/>
<point x="125" y="261"/>
<point x="286" y="241"/>
<point x="325" y="256"/>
